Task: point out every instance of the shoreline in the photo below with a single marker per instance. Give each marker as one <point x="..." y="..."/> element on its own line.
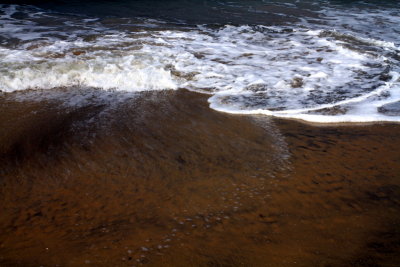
<point x="162" y="179"/>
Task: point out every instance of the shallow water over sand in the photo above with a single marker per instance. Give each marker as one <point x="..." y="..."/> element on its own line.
<point x="106" y="161"/>
<point x="158" y="178"/>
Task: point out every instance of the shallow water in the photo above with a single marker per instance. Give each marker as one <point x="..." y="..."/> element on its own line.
<point x="318" y="61"/>
<point x="161" y="179"/>
<point x="110" y="154"/>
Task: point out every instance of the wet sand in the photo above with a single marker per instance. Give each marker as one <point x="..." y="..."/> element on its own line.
<point x="159" y="179"/>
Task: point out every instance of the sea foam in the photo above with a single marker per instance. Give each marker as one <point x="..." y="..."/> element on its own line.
<point x="302" y="72"/>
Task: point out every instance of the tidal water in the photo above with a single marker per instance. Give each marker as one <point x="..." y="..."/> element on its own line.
<point x="319" y="61"/>
<point x="166" y="133"/>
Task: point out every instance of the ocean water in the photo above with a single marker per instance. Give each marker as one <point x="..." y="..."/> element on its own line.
<point x="320" y="61"/>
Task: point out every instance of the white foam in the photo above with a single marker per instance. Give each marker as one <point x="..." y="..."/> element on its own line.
<point x="56" y="65"/>
<point x="278" y="71"/>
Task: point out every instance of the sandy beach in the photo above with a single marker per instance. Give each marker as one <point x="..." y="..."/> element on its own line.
<point x="160" y="179"/>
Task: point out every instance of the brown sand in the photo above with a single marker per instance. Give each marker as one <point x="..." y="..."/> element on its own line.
<point x="162" y="180"/>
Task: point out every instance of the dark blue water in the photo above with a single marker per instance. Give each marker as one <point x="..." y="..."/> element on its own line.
<point x="208" y="11"/>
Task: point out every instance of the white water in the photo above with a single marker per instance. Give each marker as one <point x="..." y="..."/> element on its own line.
<point x="299" y="72"/>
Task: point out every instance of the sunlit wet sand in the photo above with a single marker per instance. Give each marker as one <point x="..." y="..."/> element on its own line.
<point x="160" y="179"/>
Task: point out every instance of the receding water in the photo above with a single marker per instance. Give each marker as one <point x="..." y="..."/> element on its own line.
<point x="114" y="150"/>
